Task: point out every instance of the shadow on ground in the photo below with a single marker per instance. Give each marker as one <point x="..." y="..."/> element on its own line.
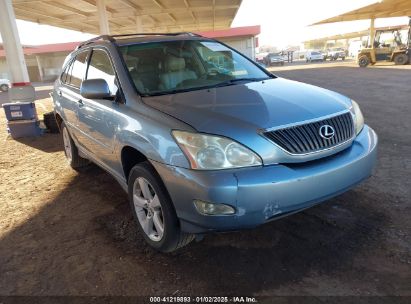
<point x="47" y="142"/>
<point x="85" y="241"/>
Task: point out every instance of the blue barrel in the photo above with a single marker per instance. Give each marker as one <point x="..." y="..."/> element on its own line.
<point x="20" y="111"/>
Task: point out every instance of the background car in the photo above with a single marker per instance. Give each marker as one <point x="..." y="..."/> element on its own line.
<point x="273" y="58"/>
<point x="259" y="58"/>
<point x="314" y="56"/>
<point x="4" y="85"/>
<point x="336" y="53"/>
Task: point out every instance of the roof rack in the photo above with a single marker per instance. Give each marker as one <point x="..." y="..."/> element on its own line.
<point x="158" y="34"/>
<point x="101" y="37"/>
<point x="111" y="38"/>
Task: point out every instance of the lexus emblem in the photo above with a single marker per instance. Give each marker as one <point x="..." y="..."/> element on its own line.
<point x="326" y="131"/>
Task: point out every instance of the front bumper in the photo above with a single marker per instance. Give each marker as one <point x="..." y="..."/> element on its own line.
<point x="261" y="194"/>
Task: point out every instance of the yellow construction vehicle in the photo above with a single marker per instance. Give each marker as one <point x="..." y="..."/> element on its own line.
<point x="388" y="45"/>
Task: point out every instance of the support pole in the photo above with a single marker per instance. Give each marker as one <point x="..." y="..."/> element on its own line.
<point x="40" y="67"/>
<point x="102" y="17"/>
<point x="409" y="36"/>
<point x="12" y="46"/>
<point x="21" y="89"/>
<point x="372" y="38"/>
<point x="139" y="25"/>
<point x="372" y="32"/>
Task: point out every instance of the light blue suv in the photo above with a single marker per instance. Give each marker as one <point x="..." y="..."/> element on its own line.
<point x="203" y="139"/>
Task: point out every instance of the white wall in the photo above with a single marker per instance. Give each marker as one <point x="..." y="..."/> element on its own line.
<point x="244" y="45"/>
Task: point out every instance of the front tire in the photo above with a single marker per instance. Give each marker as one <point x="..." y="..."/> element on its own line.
<point x="154" y="211"/>
<point x="363" y="61"/>
<point x="71" y="151"/>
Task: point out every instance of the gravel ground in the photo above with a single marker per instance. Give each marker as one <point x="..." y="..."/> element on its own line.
<point x="69" y="233"/>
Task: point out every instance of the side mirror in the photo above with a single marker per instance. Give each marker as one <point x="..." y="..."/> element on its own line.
<point x="95" y="89"/>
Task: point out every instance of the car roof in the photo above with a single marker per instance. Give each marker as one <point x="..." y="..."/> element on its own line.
<point x="155" y="38"/>
<point x="137" y="39"/>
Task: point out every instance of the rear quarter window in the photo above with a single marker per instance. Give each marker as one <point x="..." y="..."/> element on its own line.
<point x="65" y="72"/>
<point x="77" y="70"/>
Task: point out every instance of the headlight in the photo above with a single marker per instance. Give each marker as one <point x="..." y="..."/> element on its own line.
<point x="358" y="118"/>
<point x="210" y="152"/>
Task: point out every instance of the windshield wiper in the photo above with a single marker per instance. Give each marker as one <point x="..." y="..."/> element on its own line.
<point x="235" y="80"/>
<point x="221" y="84"/>
<point x="248" y="79"/>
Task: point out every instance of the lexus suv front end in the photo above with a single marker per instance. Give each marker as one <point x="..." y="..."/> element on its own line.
<point x="202" y="138"/>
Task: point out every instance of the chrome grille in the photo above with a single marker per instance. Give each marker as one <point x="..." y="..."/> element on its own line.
<point x="306" y="138"/>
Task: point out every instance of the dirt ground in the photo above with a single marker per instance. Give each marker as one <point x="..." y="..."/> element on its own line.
<point x="69" y="233"/>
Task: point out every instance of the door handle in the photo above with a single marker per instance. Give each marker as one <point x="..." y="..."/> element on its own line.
<point x="60" y="93"/>
<point x="80" y="102"/>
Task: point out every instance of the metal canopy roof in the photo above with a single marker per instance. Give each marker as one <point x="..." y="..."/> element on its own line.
<point x="356" y="34"/>
<point x="156" y="15"/>
<point x="384" y="9"/>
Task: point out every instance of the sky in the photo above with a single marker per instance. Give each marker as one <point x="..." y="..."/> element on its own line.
<point x="283" y="22"/>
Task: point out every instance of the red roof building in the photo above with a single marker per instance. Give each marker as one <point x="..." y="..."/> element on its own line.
<point x="44" y="61"/>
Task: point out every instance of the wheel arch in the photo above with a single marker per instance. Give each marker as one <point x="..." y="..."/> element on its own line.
<point x="130" y="157"/>
<point x="59" y="120"/>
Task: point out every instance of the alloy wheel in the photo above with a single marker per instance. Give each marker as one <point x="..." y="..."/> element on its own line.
<point x="148" y="209"/>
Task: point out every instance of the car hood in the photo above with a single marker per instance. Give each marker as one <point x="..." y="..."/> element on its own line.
<point x="256" y="105"/>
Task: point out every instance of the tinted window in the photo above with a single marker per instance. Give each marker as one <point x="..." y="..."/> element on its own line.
<point x="78" y="70"/>
<point x="100" y="67"/>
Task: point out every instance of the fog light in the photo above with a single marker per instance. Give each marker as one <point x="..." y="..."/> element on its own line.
<point x="213" y="209"/>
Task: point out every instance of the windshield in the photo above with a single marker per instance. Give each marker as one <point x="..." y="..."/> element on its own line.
<point x="173" y="66"/>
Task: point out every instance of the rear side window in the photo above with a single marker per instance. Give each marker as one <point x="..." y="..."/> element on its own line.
<point x="77" y="70"/>
<point x="100" y="67"/>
